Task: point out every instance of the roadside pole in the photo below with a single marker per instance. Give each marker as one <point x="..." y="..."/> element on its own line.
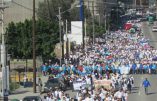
<point x="60" y="32"/>
<point x="3" y="53"/>
<point x="67" y="42"/>
<point x="93" y="22"/>
<point x="34" y="49"/>
<point x="85" y="34"/>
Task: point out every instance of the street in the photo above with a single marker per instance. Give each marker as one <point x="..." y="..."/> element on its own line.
<point x="138" y="91"/>
<point x="105" y="50"/>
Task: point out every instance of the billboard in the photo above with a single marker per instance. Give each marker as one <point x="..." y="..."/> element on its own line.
<point x="76" y="27"/>
<point x="76" y="32"/>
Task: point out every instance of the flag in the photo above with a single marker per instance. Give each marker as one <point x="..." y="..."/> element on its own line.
<point x="81" y="10"/>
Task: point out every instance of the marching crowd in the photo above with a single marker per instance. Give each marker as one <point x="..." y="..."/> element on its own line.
<point x="117" y="91"/>
<point x="122" y="53"/>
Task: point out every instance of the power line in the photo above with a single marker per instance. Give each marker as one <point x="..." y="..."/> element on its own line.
<point x="22" y="6"/>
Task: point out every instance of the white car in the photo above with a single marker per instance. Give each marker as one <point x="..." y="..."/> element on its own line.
<point x="154" y="28"/>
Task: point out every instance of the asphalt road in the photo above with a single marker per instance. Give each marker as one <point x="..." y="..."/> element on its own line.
<point x="147" y="32"/>
<point x="138" y="92"/>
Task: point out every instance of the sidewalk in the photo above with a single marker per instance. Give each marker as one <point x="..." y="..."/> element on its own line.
<point x="23" y="92"/>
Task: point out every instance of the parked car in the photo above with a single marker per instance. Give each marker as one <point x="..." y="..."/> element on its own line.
<point x="154" y="28"/>
<point x="54" y="83"/>
<point x="32" y="98"/>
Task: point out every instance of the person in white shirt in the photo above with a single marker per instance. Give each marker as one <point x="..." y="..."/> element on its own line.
<point x="88" y="80"/>
<point x="119" y="94"/>
<point x="87" y="99"/>
<point x="125" y="96"/>
<point x="48" y="98"/>
<point x="132" y="81"/>
<point x="102" y="95"/>
<point x="56" y="93"/>
<point x="60" y="93"/>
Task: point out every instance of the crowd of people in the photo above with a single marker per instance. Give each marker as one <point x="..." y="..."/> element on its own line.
<point x="122" y="53"/>
<point x="117" y="90"/>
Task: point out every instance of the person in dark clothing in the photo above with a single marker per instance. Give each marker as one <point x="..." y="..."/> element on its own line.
<point x="96" y="74"/>
<point x="129" y="86"/>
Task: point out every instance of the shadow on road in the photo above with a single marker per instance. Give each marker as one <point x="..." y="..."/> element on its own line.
<point x="152" y="93"/>
<point x="19" y="92"/>
<point x="135" y="88"/>
<point x="134" y="92"/>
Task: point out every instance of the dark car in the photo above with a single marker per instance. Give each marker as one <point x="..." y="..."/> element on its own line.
<point x="32" y="98"/>
<point x="55" y="83"/>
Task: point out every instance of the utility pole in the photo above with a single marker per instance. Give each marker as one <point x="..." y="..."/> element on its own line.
<point x="85" y="34"/>
<point x="135" y="3"/>
<point x="60" y="33"/>
<point x="140" y="3"/>
<point x="67" y="41"/>
<point x="62" y="41"/>
<point x="93" y="22"/>
<point x="99" y="16"/>
<point x="83" y="24"/>
<point x="34" y="49"/>
<point x="105" y="17"/>
<point x="5" y="81"/>
<point x="105" y="22"/>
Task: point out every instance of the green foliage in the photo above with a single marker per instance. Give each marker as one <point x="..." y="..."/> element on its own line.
<point x="19" y="35"/>
<point x="99" y="30"/>
<point x="48" y="10"/>
<point x="19" y="38"/>
<point x="14" y="86"/>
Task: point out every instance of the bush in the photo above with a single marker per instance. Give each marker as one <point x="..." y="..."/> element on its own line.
<point x="14" y="86"/>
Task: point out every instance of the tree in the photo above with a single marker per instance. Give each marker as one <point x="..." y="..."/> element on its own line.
<point x="48" y="10"/>
<point x="19" y="38"/>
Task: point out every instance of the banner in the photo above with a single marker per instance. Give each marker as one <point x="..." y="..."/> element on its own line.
<point x="124" y="70"/>
<point x="78" y="84"/>
<point x="105" y="83"/>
